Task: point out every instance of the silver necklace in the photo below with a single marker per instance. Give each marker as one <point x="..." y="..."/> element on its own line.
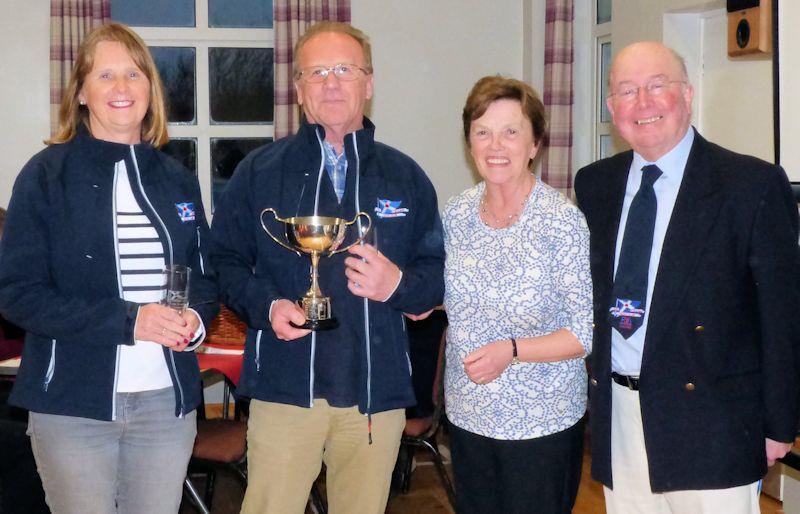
<point x="510" y="218"/>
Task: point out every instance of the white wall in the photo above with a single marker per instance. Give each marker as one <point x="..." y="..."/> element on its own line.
<point x="25" y="89"/>
<point x="427" y="55"/>
<point x="735" y="105"/>
<point x="789" y="18"/>
<point x="639" y="20"/>
<point x="733" y="99"/>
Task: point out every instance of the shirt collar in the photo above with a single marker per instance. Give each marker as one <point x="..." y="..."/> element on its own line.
<point x="330" y="152"/>
<point x="672" y="163"/>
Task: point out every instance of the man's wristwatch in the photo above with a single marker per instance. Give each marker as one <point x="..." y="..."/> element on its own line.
<point x="514" y="356"/>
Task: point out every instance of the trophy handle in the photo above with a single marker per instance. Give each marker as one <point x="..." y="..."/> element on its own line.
<point x="281" y="220"/>
<point x="359" y="238"/>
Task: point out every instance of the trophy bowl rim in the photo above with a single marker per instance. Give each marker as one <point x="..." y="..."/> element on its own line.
<point x="315" y="221"/>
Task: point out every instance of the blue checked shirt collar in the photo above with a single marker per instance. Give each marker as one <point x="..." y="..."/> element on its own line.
<point x="336" y="166"/>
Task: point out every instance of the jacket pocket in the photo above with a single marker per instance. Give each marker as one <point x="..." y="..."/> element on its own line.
<point x="51" y="366"/>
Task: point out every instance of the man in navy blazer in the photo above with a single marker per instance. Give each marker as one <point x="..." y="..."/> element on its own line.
<point x="688" y="408"/>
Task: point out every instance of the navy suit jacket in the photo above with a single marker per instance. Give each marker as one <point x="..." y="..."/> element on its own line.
<point x="720" y="360"/>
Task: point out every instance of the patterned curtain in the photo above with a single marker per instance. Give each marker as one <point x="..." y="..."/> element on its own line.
<point x="70" y="20"/>
<point x="558" y="94"/>
<point x="291" y="18"/>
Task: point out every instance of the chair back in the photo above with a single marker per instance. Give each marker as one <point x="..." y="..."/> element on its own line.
<point x="437" y="395"/>
<point x="426" y="429"/>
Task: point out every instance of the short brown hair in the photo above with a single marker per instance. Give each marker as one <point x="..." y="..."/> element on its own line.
<point x="340" y="28"/>
<point x="71" y="113"/>
<point x="492" y="88"/>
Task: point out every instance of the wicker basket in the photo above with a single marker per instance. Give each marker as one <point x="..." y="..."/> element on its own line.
<point x="227" y="329"/>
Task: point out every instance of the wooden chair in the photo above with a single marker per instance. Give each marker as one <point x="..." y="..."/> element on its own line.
<point x="220" y="443"/>
<point x="422" y="432"/>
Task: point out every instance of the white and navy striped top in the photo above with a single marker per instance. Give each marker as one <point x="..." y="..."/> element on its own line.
<point x="140" y="255"/>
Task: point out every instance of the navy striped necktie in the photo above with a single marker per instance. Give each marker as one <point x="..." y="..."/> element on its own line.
<point x="630" y="282"/>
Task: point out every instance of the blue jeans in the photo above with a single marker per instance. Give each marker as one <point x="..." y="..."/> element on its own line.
<point x="135" y="464"/>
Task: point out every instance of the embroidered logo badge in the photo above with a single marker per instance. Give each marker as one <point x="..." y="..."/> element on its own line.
<point x="627" y="316"/>
<point x="390" y="209"/>
<point x="627" y="308"/>
<point x="185" y="211"/>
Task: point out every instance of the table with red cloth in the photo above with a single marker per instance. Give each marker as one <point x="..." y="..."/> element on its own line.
<point x="226" y="359"/>
<point x="11" y="339"/>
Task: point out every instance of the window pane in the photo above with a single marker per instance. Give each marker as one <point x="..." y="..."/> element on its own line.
<point x="605" y="68"/>
<point x="240" y="85"/>
<point x="226" y="154"/>
<point x="176" y="66"/>
<point x="185" y="150"/>
<point x="240" y="13"/>
<point x="606" y="148"/>
<point x="153" y="13"/>
<point x="603" y="11"/>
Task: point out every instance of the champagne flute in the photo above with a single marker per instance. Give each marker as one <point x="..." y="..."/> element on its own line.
<point x="370" y="237"/>
<point x="176" y="287"/>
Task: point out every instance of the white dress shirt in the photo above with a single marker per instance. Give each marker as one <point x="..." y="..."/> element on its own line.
<point x="626" y="354"/>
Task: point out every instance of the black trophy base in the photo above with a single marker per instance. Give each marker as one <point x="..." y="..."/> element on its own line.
<point x="319" y="324"/>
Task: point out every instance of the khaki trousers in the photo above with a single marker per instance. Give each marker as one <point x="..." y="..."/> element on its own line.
<point x="632" y="494"/>
<point x="286" y="446"/>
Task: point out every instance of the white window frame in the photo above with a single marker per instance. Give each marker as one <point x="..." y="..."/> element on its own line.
<point x="601" y="34"/>
<point x="201" y="38"/>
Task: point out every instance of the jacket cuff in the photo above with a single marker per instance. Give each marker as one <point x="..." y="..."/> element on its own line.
<point x="271" y="305"/>
<point x="395" y="288"/>
<point x="132" y="318"/>
<point x="257" y="304"/>
<point x="199" y="337"/>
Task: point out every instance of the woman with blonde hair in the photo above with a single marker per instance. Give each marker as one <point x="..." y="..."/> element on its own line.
<point x="107" y="372"/>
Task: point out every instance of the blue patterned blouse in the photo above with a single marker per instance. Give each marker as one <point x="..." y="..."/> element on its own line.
<point x="529" y="279"/>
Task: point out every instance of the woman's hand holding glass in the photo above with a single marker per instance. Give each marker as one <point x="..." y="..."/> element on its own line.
<point x="165" y="326"/>
<point x="489" y="361"/>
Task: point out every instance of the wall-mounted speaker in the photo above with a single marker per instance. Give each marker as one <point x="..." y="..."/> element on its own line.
<point x="749" y="28"/>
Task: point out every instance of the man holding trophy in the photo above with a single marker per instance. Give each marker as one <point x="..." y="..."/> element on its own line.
<point x="329" y="376"/>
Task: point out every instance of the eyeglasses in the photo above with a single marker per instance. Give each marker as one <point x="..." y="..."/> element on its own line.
<point x="345" y="72"/>
<point x="656" y="87"/>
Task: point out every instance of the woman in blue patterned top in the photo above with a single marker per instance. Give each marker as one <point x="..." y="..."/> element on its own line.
<point x="519" y="299"/>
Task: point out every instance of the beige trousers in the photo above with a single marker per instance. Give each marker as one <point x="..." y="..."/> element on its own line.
<point x="632" y="494"/>
<point x="286" y="446"/>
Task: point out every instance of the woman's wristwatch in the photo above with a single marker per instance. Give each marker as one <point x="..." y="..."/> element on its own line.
<point x="514" y="356"/>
